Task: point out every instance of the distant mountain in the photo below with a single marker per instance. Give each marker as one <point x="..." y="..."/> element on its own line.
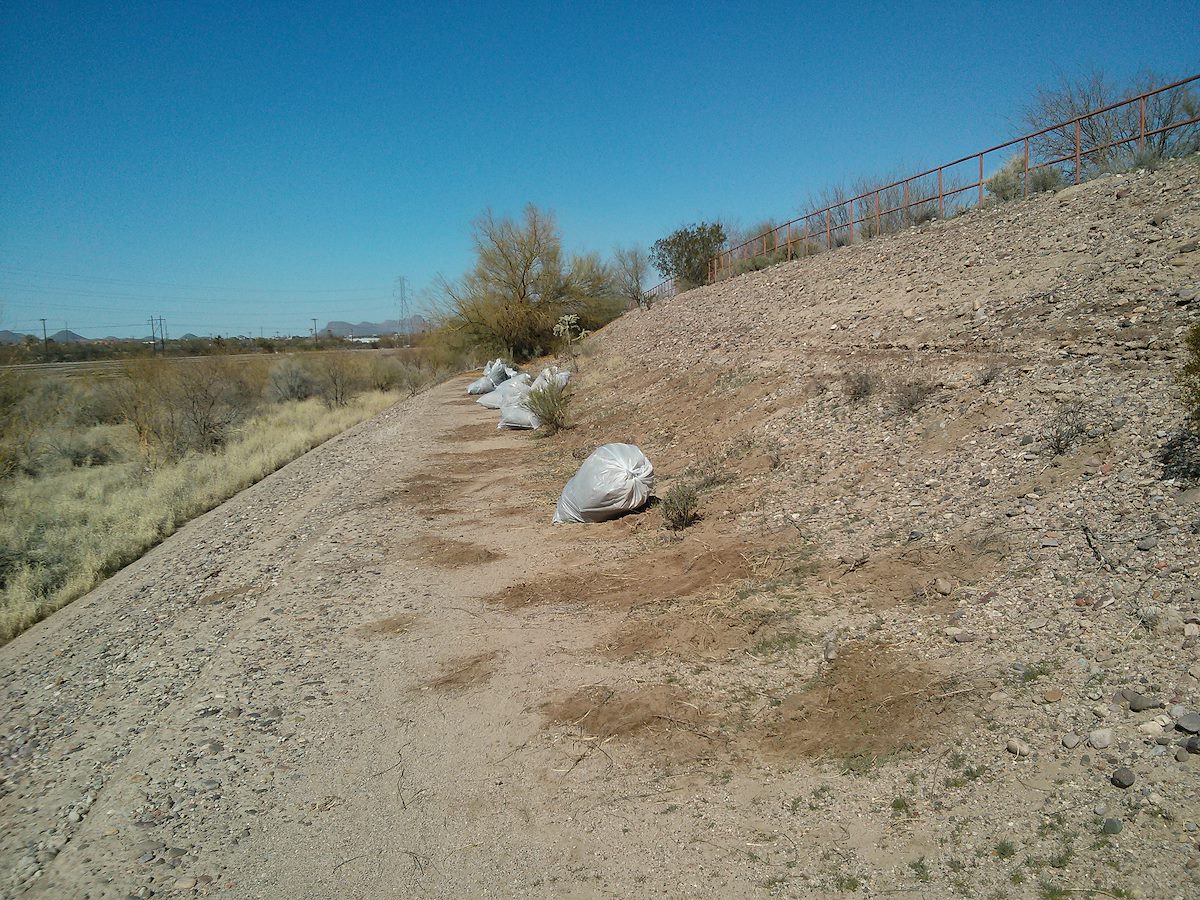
<point x="69" y="337"/>
<point x="11" y="337"/>
<point x="190" y="337"/>
<point x="414" y="325"/>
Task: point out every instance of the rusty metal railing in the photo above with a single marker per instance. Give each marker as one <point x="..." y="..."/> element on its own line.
<point x="927" y="194"/>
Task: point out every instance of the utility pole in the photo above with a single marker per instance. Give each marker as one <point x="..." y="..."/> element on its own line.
<point x="314" y="330"/>
<point x="45" y="341"/>
<point x="153" y="337"/>
<point x="162" y="334"/>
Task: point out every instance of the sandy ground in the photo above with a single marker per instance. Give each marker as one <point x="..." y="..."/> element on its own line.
<point x="304" y="693"/>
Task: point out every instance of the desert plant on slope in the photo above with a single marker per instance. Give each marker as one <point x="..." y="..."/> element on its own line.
<point x="910" y="395"/>
<point x="1064" y="429"/>
<point x="684" y="253"/>
<point x="551" y="405"/>
<point x="1009" y="183"/>
<point x="680" y="506"/>
<point x="859" y="385"/>
<point x="1189" y="375"/>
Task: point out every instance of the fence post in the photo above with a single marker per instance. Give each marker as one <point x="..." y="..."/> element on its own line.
<point x="789" y="240"/>
<point x="828" y="231"/>
<point x="1077" y="130"/>
<point x="1025" y="180"/>
<point x="981" y="179"/>
<point x="941" y="199"/>
<point x="850" y="224"/>
<point x="906" y="203"/>
<point x="878" y="226"/>
<point x="806" y="235"/>
<point x="1142" y="123"/>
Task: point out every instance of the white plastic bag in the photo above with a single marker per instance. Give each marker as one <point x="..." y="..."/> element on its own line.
<point x="509" y="392"/>
<point x="481" y="386"/>
<point x="615" y="479"/>
<point x="518" y="415"/>
<point x="553" y="374"/>
<point x="498" y="371"/>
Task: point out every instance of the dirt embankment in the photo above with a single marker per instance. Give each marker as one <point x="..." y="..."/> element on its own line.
<point x="940" y="594"/>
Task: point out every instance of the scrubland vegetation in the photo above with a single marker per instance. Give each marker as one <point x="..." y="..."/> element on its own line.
<point x="92" y="474"/>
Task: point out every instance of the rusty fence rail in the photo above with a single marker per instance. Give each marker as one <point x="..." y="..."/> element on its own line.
<point x="1095" y="140"/>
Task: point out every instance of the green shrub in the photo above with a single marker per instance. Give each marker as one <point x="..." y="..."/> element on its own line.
<point x="1189" y="376"/>
<point x="679" y="506"/>
<point x="550" y="404"/>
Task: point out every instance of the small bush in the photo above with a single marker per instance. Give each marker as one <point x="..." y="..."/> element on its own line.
<point x="1064" y="429"/>
<point x="550" y="404"/>
<point x="1009" y="182"/>
<point x="909" y="396"/>
<point x="679" y="507"/>
<point x="859" y="385"/>
<point x="1180" y="455"/>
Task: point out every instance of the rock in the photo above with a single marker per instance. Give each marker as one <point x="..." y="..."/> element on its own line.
<point x="965" y="637"/>
<point x="1018" y="748"/>
<point x="1150" y="729"/>
<point x="1101" y="738"/>
<point x="1181" y="754"/>
<point x="1193" y="744"/>
<point x="1140" y="702"/>
<point x="1147" y="543"/>
<point x="943" y="586"/>
<point x="1053" y="695"/>
<point x="1071" y="741"/>
<point x="1189" y="723"/>
<point x="1123" y="778"/>
<point x="1112" y="826"/>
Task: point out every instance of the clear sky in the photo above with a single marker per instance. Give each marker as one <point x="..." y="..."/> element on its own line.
<point x="237" y="166"/>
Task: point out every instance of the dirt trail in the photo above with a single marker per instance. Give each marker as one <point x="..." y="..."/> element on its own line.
<point x="306" y="693"/>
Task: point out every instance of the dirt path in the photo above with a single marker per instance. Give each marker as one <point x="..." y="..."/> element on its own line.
<point x="303" y="693"/>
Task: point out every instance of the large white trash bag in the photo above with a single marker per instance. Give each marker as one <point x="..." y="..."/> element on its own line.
<point x="481" y="386"/>
<point x="518" y="415"/>
<point x="553" y="374"/>
<point x="615" y="479"/>
<point x="511" y="391"/>
<point x="498" y="371"/>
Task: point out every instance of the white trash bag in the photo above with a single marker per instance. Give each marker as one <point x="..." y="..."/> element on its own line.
<point x="482" y="385"/>
<point x="498" y="371"/>
<point x="518" y="415"/>
<point x="615" y="479"/>
<point x="553" y="374"/>
<point x="510" y="391"/>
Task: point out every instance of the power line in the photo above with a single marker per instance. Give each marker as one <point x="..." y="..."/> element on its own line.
<point x="188" y="287"/>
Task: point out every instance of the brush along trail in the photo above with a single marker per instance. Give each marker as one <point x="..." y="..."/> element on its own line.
<point x="936" y="632"/>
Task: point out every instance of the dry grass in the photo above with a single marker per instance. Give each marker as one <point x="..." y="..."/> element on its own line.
<point x="63" y="532"/>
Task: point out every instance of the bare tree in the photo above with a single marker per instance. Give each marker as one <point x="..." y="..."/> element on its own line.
<point x="630" y="266"/>
<point x="1116" y="131"/>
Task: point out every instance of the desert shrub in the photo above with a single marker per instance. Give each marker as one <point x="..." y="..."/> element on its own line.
<point x="550" y="404"/>
<point x="1189" y="375"/>
<point x="680" y="506"/>
<point x="909" y="396"/>
<point x="289" y="379"/>
<point x="339" y="376"/>
<point x="1008" y="183"/>
<point x="1064" y="429"/>
<point x="18" y="426"/>
<point x="185" y="405"/>
<point x="384" y="373"/>
<point x="859" y="385"/>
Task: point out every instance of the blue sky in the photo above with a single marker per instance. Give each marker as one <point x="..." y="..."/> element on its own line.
<point x="241" y="166"/>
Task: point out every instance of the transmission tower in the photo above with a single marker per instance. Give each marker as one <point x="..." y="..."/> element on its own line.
<point x="400" y="295"/>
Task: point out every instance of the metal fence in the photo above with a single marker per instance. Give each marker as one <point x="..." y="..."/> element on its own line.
<point x="1105" y="139"/>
